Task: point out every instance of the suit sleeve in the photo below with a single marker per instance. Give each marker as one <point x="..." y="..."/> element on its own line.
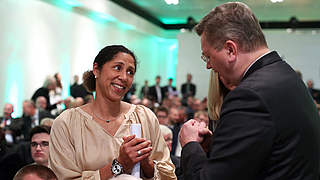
<point x="240" y="145"/>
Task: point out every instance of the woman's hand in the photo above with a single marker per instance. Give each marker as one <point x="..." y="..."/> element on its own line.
<point x="133" y="150"/>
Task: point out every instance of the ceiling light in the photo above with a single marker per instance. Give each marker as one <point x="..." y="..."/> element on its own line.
<point x="276" y="1"/>
<point x="174" y="2"/>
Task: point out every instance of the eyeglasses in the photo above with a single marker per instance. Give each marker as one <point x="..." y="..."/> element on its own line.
<point x="42" y="144"/>
<point x="205" y="58"/>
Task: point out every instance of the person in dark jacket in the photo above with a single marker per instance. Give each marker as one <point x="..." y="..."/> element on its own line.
<point x="268" y="128"/>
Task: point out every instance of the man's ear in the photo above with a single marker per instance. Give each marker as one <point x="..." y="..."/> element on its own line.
<point x="232" y="50"/>
<point x="95" y="69"/>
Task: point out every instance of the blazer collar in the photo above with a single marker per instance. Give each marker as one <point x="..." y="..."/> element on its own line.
<point x="265" y="60"/>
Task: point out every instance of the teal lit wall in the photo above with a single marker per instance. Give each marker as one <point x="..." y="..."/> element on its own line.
<point x="42" y="37"/>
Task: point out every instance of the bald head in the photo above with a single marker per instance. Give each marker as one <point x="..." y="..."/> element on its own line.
<point x="7" y="110"/>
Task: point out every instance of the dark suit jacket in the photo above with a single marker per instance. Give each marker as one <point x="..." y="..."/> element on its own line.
<point x="15" y="127"/>
<point x="192" y="90"/>
<point x="166" y="90"/>
<point x="78" y="90"/>
<point x="144" y="92"/>
<point x="153" y="94"/>
<point x="175" y="136"/>
<point x="315" y="94"/>
<point x="268" y="130"/>
<point x="13" y="159"/>
<point x="26" y="128"/>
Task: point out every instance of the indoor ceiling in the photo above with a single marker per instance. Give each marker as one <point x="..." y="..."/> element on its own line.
<point x="174" y="16"/>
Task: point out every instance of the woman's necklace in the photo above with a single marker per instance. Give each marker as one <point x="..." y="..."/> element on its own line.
<point x="107" y="121"/>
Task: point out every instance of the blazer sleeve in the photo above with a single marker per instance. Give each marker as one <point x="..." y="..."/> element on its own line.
<point x="240" y="144"/>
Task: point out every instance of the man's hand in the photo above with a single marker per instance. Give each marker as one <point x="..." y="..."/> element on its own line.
<point x="193" y="130"/>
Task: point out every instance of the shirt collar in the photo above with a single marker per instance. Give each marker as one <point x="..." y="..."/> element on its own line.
<point x="255" y="62"/>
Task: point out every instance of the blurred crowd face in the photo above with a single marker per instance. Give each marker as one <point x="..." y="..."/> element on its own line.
<point x="182" y="114"/>
<point x="40" y="148"/>
<point x="174" y="115"/>
<point x="196" y="105"/>
<point x="116" y="76"/>
<point x="41" y="102"/>
<point x="28" y="109"/>
<point x="189" y="77"/>
<point x="7" y="111"/>
<point x="146" y="102"/>
<point x="67" y="102"/>
<point x="203" y="118"/>
<point x="158" y="79"/>
<point x="168" y="140"/>
<point x="310" y="84"/>
<point x="163" y="118"/>
<point x="76" y="79"/>
<point x="52" y="85"/>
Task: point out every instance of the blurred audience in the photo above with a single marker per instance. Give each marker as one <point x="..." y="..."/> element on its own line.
<point x="41" y="103"/>
<point x="156" y="93"/>
<point x="167" y="135"/>
<point x="202" y="116"/>
<point x="49" y="85"/>
<point x="32" y="117"/>
<point x="170" y="90"/>
<point x="315" y="93"/>
<point x="47" y="122"/>
<point x="144" y="92"/>
<point x="188" y="89"/>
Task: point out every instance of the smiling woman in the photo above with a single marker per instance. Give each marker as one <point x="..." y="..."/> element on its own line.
<point x="94" y="142"/>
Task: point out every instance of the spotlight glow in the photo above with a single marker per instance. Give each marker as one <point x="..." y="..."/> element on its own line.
<point x="174" y="2"/>
<point x="276" y="1"/>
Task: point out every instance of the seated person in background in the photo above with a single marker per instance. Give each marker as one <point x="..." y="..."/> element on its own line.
<point x="49" y="85"/>
<point x="202" y="116"/>
<point x="41" y="103"/>
<point x="77" y="102"/>
<point x="167" y="135"/>
<point x="11" y="126"/>
<point x="47" y="122"/>
<point x="162" y="115"/>
<point x="39" y="145"/>
<point x="35" y="172"/>
<point x="94" y="142"/>
<point x="32" y="117"/>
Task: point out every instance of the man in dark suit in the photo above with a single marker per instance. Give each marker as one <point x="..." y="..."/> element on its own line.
<point x="144" y="92"/>
<point x="32" y="117"/>
<point x="188" y="88"/>
<point x="11" y="126"/>
<point x="269" y="128"/>
<point x="170" y="90"/>
<point x="156" y="93"/>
